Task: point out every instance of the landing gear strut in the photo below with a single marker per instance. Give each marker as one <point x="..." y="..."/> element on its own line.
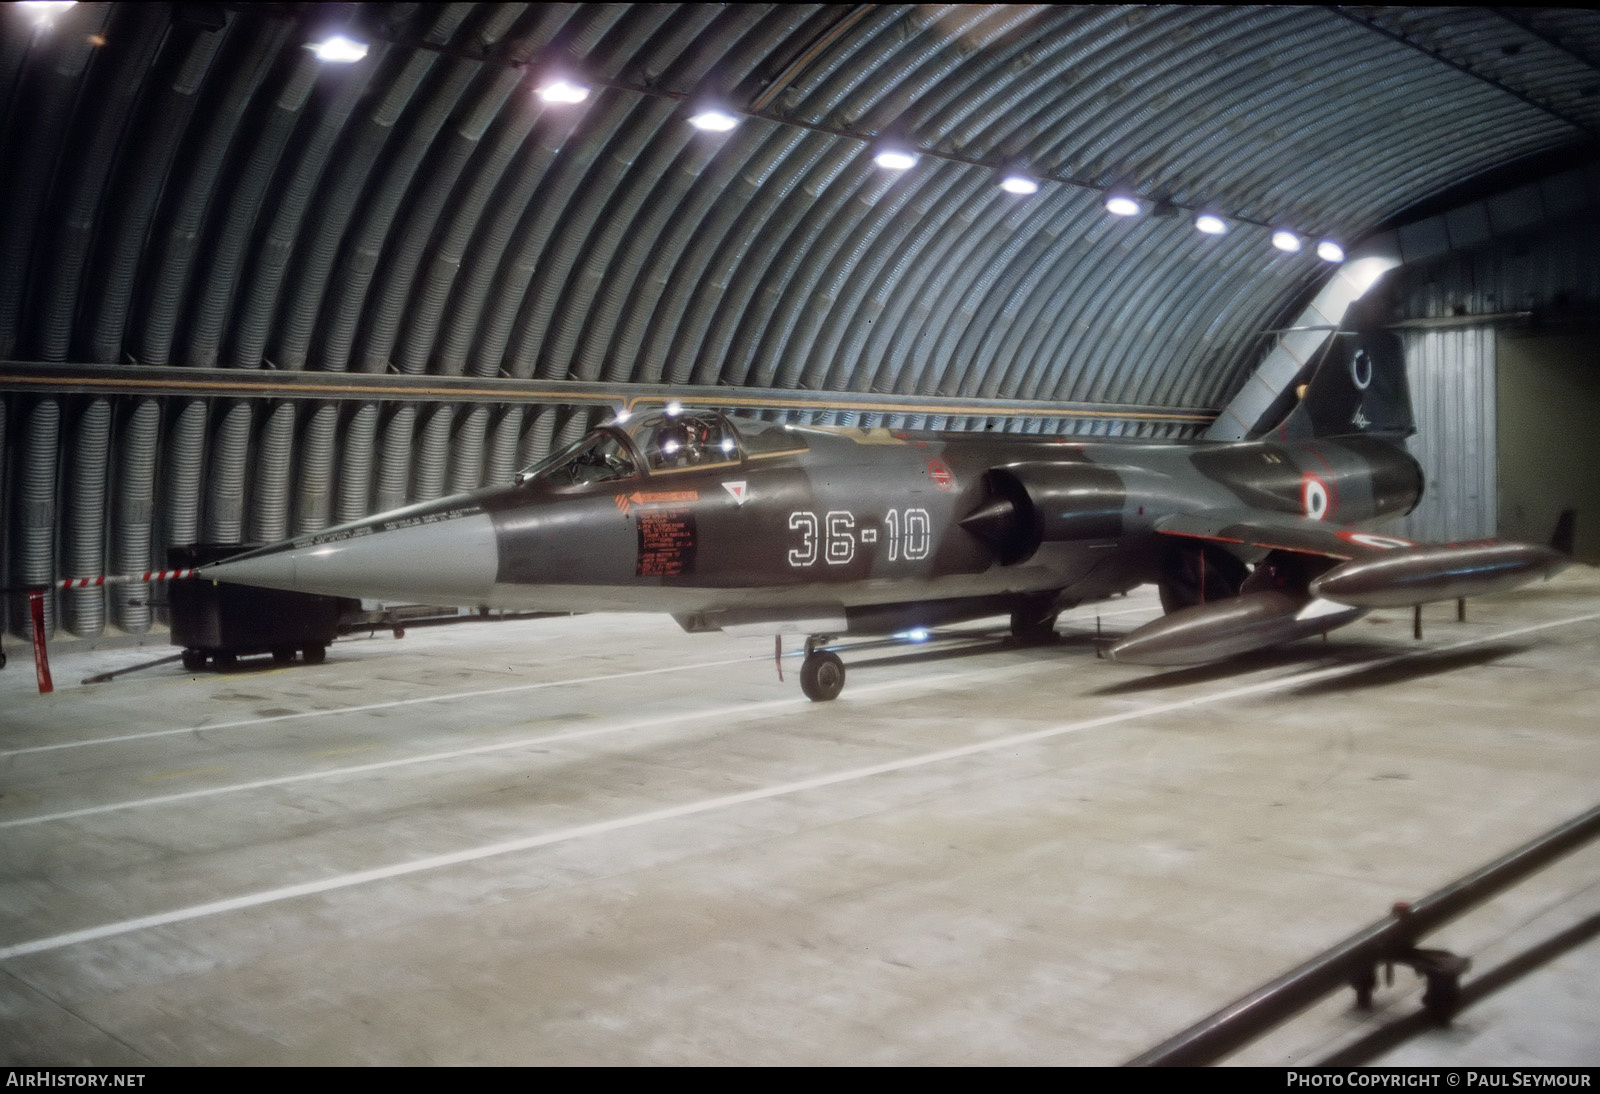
<point x="821" y="673"/>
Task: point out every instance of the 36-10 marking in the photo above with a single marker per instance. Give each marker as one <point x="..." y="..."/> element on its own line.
<point x="832" y="538"/>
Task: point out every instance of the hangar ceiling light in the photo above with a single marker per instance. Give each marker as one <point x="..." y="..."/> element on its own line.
<point x="338" y="49"/>
<point x="894" y="158"/>
<point x="1329" y="251"/>
<point x="1211" y="224"/>
<point x="1122" y="205"/>
<point x="1285" y="240"/>
<point x="563" y="90"/>
<point x="1017" y="182"/>
<point x="713" y="119"/>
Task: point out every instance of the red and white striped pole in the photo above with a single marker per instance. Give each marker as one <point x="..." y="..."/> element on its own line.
<point x="41" y="661"/>
<point x="121" y="579"/>
<point x="41" y="658"/>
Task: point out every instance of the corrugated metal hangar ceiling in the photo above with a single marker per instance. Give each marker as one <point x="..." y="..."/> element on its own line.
<point x="189" y="190"/>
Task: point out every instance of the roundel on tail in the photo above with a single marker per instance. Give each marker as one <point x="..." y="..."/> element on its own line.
<point x="1315" y="497"/>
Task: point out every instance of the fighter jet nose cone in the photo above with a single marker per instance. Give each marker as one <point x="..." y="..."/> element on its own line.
<point x="446" y="561"/>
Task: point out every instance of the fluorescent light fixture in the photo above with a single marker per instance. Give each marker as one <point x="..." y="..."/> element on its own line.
<point x="674" y="408"/>
<point x="1015" y="182"/>
<point x="1122" y="205"/>
<point x="1285" y="240"/>
<point x="338" y="50"/>
<point x="622" y="416"/>
<point x="1211" y="224"/>
<point x="45" y="9"/>
<point x="563" y="91"/>
<point x="727" y="444"/>
<point x="713" y="120"/>
<point x="895" y="159"/>
<point x="1329" y="251"/>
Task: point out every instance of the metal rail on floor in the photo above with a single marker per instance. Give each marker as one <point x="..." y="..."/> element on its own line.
<point x="1355" y="961"/>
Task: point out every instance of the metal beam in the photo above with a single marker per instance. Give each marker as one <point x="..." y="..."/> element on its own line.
<point x="237" y="383"/>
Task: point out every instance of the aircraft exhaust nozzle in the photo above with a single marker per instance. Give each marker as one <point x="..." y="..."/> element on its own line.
<point x="1416" y="575"/>
<point x="1225" y="628"/>
<point x="447" y="562"/>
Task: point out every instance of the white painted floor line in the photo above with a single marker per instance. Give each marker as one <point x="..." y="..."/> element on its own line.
<point x="723" y="715"/>
<point x="243" y="722"/>
<point x="724" y="801"/>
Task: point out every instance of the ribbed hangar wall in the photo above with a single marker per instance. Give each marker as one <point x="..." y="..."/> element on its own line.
<point x="187" y="186"/>
<point x="1547" y="278"/>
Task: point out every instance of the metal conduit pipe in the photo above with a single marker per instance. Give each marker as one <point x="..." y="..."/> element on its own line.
<point x="830" y="303"/>
<point x="50" y="88"/>
<point x="185" y="464"/>
<point x="85" y="609"/>
<point x="344" y="305"/>
<point x="995" y="259"/>
<point x="393" y="295"/>
<point x="1019" y="277"/>
<point x="258" y="304"/>
<point x="394" y="461"/>
<point x="536" y="441"/>
<point x="768" y="268"/>
<point x="676" y="159"/>
<point x="337" y="203"/>
<point x="178" y="246"/>
<point x="500" y="463"/>
<point x="133" y="508"/>
<point x="943" y="42"/>
<point x="139" y="27"/>
<point x="971" y="261"/>
<point x="7" y="462"/>
<point x="314" y="486"/>
<point x="269" y="500"/>
<point x="137" y="193"/>
<point x="467" y="451"/>
<point x="433" y="453"/>
<point x="426" y="313"/>
<point x="799" y="305"/>
<point x="35" y="560"/>
<point x="355" y="465"/>
<point x="844" y="337"/>
<point x="537" y="339"/>
<point x="699" y="311"/>
<point x="248" y="195"/>
<point x="509" y="291"/>
<point x="319" y="246"/>
<point x="710" y="191"/>
<point x="469" y="344"/>
<point x="681" y="203"/>
<point x="227" y="474"/>
<point x="913" y="289"/>
<point x="604" y="277"/>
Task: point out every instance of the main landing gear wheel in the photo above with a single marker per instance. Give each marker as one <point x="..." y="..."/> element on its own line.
<point x="194" y="660"/>
<point x="315" y="654"/>
<point x="821" y="676"/>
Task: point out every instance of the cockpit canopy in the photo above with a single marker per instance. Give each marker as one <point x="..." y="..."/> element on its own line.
<point x="659" y="442"/>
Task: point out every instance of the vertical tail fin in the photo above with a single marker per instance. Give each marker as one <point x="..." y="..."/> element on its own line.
<point x="1359" y="386"/>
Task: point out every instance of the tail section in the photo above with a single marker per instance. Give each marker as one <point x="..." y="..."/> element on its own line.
<point x="1358" y="386"/>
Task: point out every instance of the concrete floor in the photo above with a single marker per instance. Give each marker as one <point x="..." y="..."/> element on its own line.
<point x="600" y="841"/>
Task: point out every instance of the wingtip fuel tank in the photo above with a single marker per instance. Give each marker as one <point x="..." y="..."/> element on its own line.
<point x="1405" y="576"/>
<point x="1229" y="627"/>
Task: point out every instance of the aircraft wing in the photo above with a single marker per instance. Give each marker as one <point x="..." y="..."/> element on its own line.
<point x="1375" y="571"/>
<point x="1273" y="532"/>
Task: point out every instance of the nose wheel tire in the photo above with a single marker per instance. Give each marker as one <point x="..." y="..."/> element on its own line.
<point x="822" y="676"/>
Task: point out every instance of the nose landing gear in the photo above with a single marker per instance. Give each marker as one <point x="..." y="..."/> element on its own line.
<point x="821" y="673"/>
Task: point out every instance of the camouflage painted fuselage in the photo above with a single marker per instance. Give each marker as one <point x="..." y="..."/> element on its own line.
<point x="822" y="530"/>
